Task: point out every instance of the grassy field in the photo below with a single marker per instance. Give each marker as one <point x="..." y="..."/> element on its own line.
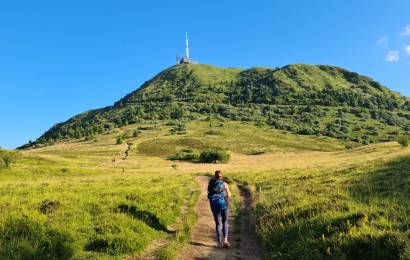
<point x="356" y="210"/>
<point x="70" y="200"/>
<point x="313" y="198"/>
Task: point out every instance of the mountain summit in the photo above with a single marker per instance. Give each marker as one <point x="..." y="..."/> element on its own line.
<point x="304" y="99"/>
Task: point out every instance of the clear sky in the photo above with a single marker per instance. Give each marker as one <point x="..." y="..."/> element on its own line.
<point x="60" y="58"/>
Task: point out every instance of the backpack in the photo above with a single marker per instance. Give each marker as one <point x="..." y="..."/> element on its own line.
<point x="216" y="194"/>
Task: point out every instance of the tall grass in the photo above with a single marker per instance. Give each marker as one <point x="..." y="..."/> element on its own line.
<point x="59" y="213"/>
<point x="355" y="213"/>
<point x="314" y="199"/>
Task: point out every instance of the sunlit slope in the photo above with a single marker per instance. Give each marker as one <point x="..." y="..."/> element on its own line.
<point x="354" y="206"/>
<point x="73" y="196"/>
<point x="252" y="148"/>
<point x="305" y="99"/>
<point x="74" y="201"/>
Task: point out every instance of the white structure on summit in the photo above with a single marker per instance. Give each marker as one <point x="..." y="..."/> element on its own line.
<point x="186" y="59"/>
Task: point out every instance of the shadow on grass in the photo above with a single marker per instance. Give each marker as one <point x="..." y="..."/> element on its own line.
<point x="370" y="222"/>
<point x="25" y="238"/>
<point x="389" y="181"/>
<point x="329" y="238"/>
<point x="143" y="215"/>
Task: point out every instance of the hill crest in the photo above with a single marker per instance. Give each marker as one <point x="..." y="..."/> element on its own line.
<point x="301" y="98"/>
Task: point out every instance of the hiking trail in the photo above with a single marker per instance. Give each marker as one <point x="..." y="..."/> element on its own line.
<point x="202" y="244"/>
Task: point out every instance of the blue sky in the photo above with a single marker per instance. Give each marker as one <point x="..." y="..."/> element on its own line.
<point x="60" y="58"/>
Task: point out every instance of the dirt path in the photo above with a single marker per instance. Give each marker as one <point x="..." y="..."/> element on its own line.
<point x="203" y="243"/>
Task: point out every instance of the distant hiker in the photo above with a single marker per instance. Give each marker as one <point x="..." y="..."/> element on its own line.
<point x="113" y="160"/>
<point x="218" y="196"/>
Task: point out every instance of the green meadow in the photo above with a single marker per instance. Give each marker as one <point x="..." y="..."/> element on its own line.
<point x="354" y="211"/>
<point x="312" y="197"/>
<point x="66" y="203"/>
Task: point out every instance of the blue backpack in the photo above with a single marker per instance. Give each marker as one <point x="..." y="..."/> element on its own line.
<point x="216" y="194"/>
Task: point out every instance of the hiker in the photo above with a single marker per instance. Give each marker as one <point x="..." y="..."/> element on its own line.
<point x="219" y="196"/>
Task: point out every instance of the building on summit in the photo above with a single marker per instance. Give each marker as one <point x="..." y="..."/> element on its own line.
<point x="186" y="59"/>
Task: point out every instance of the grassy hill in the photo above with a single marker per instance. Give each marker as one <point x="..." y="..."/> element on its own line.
<point x="102" y="185"/>
<point x="312" y="196"/>
<point x="305" y="99"/>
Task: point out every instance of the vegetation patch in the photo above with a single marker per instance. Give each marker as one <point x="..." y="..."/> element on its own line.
<point x="205" y="156"/>
<point x="256" y="152"/>
<point x="158" y="147"/>
<point x="214" y="132"/>
<point x="7" y="158"/>
<point x="120" y="140"/>
<point x="50" y="212"/>
<point x="191" y="143"/>
<point x="23" y="237"/>
<point x="48" y="206"/>
<point x="214" y="156"/>
<point x="404" y="140"/>
<point x="178" y="129"/>
<point x="186" y="155"/>
<point x="387" y="245"/>
<point x="183" y="227"/>
<point x="146" y="128"/>
<point x="356" y="213"/>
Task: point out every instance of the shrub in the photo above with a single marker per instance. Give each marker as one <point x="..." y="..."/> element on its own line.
<point x="214" y="156"/>
<point x="391" y="138"/>
<point x="403" y="140"/>
<point x="120" y="140"/>
<point x="179" y="129"/>
<point x="89" y="137"/>
<point x="7" y="158"/>
<point x="171" y="123"/>
<point x="349" y="146"/>
<point x="306" y="131"/>
<point x="185" y="155"/>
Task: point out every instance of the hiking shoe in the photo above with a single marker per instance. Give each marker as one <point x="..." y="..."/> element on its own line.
<point x="220" y="245"/>
<point x="226" y="244"/>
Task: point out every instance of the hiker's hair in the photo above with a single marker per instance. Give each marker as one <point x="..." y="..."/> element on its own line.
<point x="217" y="173"/>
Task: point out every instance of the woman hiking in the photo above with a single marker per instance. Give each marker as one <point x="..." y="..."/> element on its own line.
<point x="218" y="196"/>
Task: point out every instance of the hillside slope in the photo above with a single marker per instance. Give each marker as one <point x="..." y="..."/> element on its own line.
<point x="311" y="197"/>
<point x="305" y="99"/>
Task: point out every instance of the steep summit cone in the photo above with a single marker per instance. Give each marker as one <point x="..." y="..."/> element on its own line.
<point x="305" y="99"/>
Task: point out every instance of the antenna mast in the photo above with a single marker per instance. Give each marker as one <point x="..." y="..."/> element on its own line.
<point x="186" y="47"/>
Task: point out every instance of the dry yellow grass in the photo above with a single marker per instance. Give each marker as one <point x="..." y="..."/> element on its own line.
<point x="100" y="154"/>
